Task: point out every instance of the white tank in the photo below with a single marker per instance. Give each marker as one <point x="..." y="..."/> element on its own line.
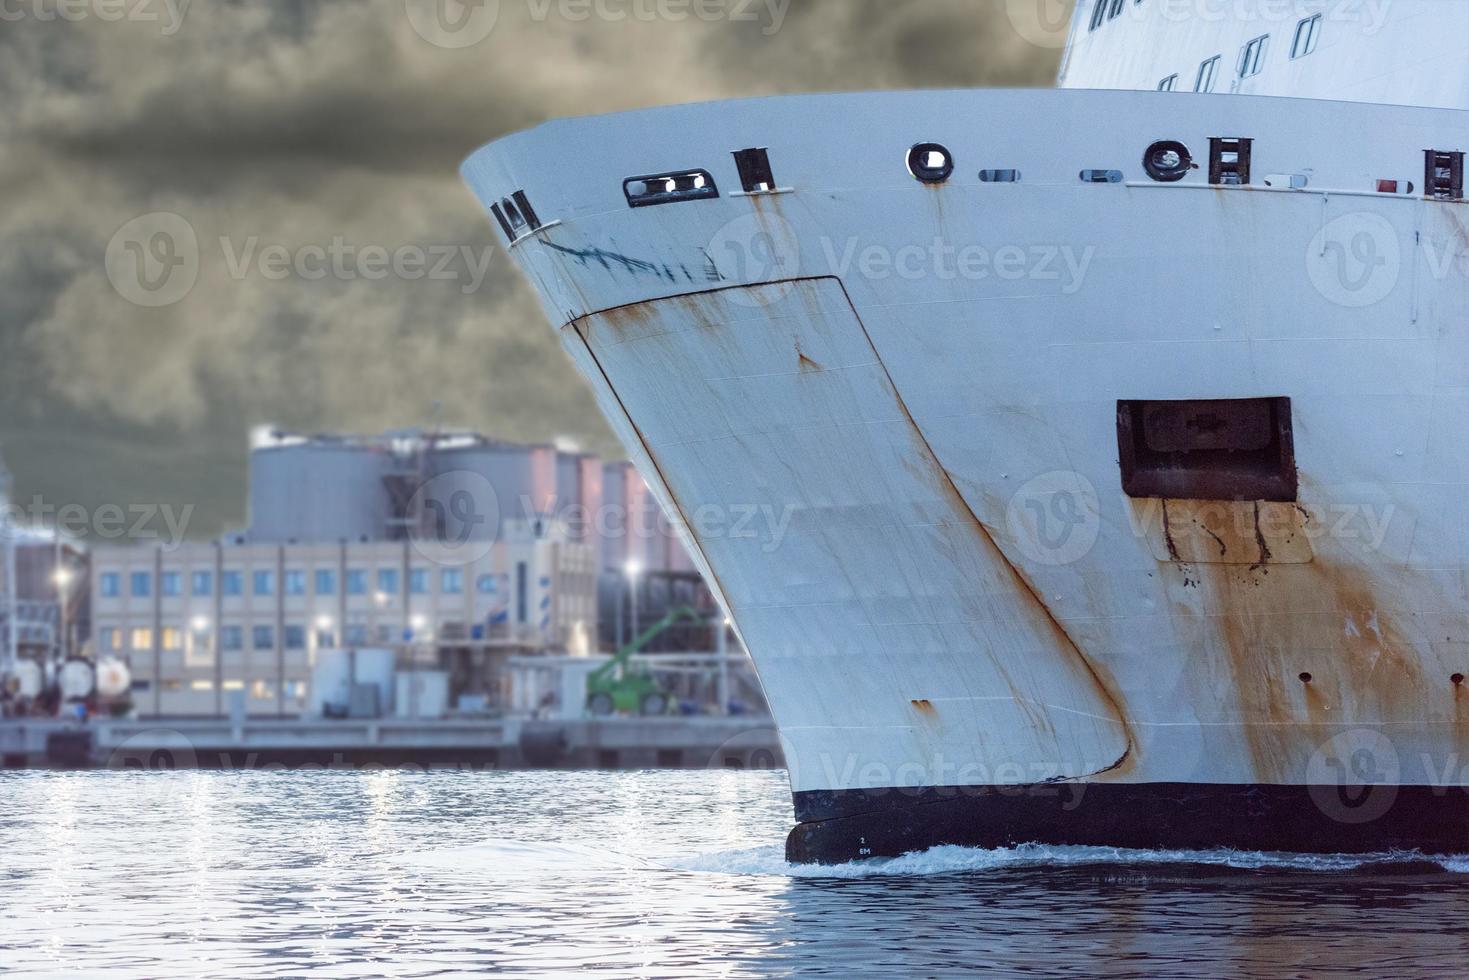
<point x="479" y="487"/>
<point x="113" y="678"/>
<point x="319" y="490"/>
<point x="29" y="678"/>
<point x="76" y="680"/>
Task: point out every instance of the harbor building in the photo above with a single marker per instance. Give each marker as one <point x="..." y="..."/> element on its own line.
<point x="456" y="551"/>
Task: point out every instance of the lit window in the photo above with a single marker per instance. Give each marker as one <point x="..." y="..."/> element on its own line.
<point x="172" y="638"/>
<point x="1208" y="72"/>
<point x="232" y="686"/>
<point x="1168" y="84"/>
<point x="109" y="639"/>
<point x="1307" y="33"/>
<point x="1252" y="57"/>
<point x="141" y="639"/>
<point x="201" y="685"/>
<point x="262" y="690"/>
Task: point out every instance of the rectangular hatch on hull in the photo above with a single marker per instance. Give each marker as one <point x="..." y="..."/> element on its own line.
<point x="1208" y="449"/>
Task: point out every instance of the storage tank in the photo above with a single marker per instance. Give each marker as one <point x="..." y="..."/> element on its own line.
<point x="318" y="490"/>
<point x="76" y="680"/>
<point x="579" y="493"/>
<point x="480" y="486"/>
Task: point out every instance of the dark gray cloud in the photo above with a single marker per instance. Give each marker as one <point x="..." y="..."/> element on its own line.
<point x="301" y="124"/>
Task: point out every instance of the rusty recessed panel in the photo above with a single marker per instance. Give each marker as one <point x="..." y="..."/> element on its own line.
<point x="1208" y="449"/>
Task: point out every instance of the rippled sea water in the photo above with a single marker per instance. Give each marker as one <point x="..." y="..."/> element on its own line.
<point x="650" y="874"/>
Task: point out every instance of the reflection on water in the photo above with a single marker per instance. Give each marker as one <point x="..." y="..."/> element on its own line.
<point x="638" y="874"/>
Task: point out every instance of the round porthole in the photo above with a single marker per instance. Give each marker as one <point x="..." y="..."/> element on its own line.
<point x="930" y="163"/>
<point x="1167" y="161"/>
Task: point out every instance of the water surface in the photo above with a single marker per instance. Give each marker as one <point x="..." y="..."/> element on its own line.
<point x="652" y="874"/>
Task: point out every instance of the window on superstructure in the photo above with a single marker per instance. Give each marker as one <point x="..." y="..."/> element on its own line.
<point x="1168" y="84"/>
<point x="1308" y="32"/>
<point x="1208" y="73"/>
<point x="1252" y="57"/>
<point x="1099" y="12"/>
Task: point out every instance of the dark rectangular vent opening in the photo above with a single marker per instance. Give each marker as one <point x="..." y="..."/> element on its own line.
<point x="1443" y="175"/>
<point x="1229" y="161"/>
<point x="682" y="185"/>
<point x="1212" y="449"/>
<point x="754" y="167"/>
<point x="999" y="176"/>
<point x="515" y="216"/>
<point x="1101" y="176"/>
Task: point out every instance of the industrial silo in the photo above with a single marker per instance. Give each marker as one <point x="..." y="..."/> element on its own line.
<point x="318" y="489"/>
<point x="475" y="487"/>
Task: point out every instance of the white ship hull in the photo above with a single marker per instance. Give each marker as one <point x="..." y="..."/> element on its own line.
<point x="967" y="631"/>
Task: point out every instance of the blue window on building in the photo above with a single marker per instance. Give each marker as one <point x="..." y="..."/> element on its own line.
<point x="418" y="581"/>
<point x="326" y="581"/>
<point x="387" y="580"/>
<point x="264" y="582"/>
<point x="110" y="585"/>
<point x="203" y="583"/>
<point x="451" y="582"/>
<point x="142" y="585"/>
<point x="264" y="637"/>
<point x="295" y="582"/>
<point x="171" y="584"/>
<point x="487" y="585"/>
<point x="231" y="638"/>
<point x="231" y="583"/>
<point x="522" y="600"/>
<point x="295" y="638"/>
<point x="356" y="581"/>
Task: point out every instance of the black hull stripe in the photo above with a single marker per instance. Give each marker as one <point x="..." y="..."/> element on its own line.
<point x="841" y="826"/>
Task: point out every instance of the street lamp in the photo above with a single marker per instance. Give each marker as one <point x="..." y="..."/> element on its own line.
<point x="633" y="568"/>
<point x="62" y="577"/>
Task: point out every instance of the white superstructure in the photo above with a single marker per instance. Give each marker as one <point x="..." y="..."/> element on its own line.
<point x="1117" y="435"/>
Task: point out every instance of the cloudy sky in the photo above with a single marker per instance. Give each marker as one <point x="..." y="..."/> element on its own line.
<point x="325" y="128"/>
